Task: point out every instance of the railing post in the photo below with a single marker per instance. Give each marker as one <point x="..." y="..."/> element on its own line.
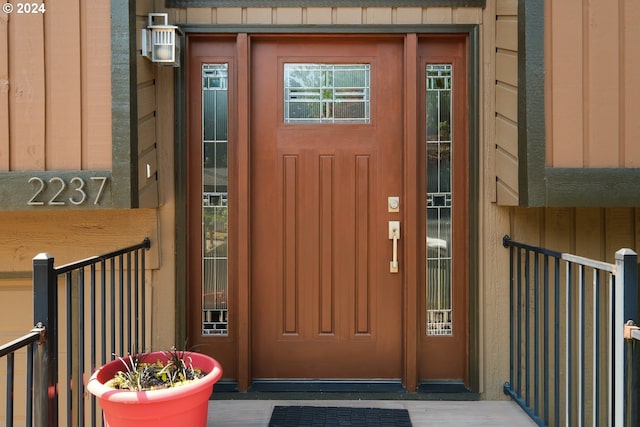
<point x="627" y="273"/>
<point x="45" y="311"/>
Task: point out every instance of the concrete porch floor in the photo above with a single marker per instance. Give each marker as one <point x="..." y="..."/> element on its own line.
<point x="423" y="413"/>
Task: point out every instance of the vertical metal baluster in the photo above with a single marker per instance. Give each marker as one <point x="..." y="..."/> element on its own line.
<point x="610" y="332"/>
<point x="536" y="333"/>
<point x="581" y="349"/>
<point x="112" y="301"/>
<point x="511" y="304"/>
<point x="129" y="323"/>
<point x="136" y="292"/>
<point x="79" y="380"/>
<point x="103" y="318"/>
<point x="103" y="311"/>
<point x="546" y="340"/>
<point x="92" y="337"/>
<point x="596" y="347"/>
<point x="69" y="310"/>
<point x="121" y="305"/>
<point x="144" y="297"/>
<point x="10" y="381"/>
<point x="556" y="336"/>
<point x="569" y="341"/>
<point x="527" y="327"/>
<point x="519" y="326"/>
<point x="29" y="402"/>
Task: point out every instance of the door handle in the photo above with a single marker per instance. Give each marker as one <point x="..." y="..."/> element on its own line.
<point x="394" y="235"/>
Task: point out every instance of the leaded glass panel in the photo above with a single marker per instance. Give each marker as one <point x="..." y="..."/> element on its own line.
<point x="215" y="201"/>
<point x="439" y="199"/>
<point x="326" y="93"/>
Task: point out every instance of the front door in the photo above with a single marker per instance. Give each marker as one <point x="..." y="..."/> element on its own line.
<point x="305" y="156"/>
<point x="327" y="133"/>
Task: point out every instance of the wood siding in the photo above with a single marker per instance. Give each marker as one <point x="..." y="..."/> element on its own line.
<point x="593" y="92"/>
<point x="590" y="232"/>
<point x="506" y="102"/>
<point x="146" y="88"/>
<point x="326" y="15"/>
<point x="55" y="99"/>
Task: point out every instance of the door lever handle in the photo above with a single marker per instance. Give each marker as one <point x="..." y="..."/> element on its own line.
<point x="394" y="235"/>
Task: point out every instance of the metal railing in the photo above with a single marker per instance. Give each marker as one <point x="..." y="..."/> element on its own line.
<point x="103" y="313"/>
<point x="30" y="342"/>
<point x="569" y="363"/>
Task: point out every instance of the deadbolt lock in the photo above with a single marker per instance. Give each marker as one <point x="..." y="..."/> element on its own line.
<point x="393" y="204"/>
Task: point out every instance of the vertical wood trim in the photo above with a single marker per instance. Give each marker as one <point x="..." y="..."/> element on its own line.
<point x="96" y="85"/>
<point x="531" y="79"/>
<point x="244" y="207"/>
<point x="63" y="79"/>
<point x="602" y="60"/>
<point x="123" y="102"/>
<point x="326" y="245"/>
<point x="630" y="87"/>
<point x="410" y="198"/>
<point x="566" y="124"/>
<point x="290" y="247"/>
<point x="361" y="219"/>
<point x="27" y="96"/>
<point x="5" y="143"/>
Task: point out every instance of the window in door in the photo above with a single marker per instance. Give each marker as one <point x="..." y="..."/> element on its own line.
<point x="215" y="199"/>
<point x="439" y="199"/>
<point x="326" y="93"/>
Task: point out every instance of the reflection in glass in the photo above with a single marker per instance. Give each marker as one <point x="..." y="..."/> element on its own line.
<point x="439" y="200"/>
<point x="326" y="93"/>
<point x="214" y="199"/>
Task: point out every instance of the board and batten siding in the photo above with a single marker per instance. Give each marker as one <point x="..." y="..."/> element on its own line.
<point x="325" y="15"/>
<point x="56" y="98"/>
<point x="592" y="86"/>
<point x="595" y="233"/>
<point x="55" y="82"/>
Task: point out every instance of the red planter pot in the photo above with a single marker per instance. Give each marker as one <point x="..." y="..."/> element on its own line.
<point x="186" y="405"/>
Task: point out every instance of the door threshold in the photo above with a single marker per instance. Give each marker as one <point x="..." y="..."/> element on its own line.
<point x="328" y="386"/>
<point x="337" y="390"/>
<point x="443" y="386"/>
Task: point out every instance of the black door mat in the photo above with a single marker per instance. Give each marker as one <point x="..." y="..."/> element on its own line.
<point x="330" y="416"/>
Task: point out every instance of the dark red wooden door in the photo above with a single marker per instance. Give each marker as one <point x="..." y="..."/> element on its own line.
<point x="324" y="302"/>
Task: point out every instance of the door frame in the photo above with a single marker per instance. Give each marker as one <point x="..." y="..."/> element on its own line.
<point x="242" y="237"/>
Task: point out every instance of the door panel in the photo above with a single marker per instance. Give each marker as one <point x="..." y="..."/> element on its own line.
<point x="211" y="264"/>
<point x="324" y="303"/>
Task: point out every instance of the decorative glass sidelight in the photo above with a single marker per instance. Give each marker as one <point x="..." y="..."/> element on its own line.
<point x="326" y="93"/>
<point x="439" y="199"/>
<point x="215" y="223"/>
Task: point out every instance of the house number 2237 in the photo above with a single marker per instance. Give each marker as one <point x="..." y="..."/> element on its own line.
<point x="76" y="188"/>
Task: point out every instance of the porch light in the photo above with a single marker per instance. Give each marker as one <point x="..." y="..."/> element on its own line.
<point x="159" y="41"/>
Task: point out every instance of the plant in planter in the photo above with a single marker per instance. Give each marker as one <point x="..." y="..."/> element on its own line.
<point x="158" y="389"/>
